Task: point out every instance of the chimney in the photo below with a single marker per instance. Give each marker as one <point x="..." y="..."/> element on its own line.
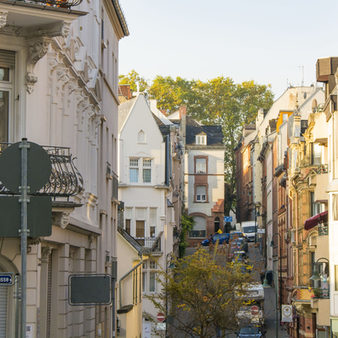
<point x="124" y="90"/>
<point x="183" y="117"/>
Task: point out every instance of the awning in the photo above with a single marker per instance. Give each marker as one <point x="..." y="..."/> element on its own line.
<point x="315" y="220"/>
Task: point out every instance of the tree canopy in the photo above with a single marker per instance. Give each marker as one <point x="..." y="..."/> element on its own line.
<point x="199" y="295"/>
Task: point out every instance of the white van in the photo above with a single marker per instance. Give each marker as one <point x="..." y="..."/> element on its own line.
<point x="249" y="229"/>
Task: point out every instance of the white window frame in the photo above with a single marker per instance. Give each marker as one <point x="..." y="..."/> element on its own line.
<point x="133" y="166"/>
<point x="201" y="198"/>
<point x="149" y="267"/>
<point x="8" y="86"/>
<point x="201" y="139"/>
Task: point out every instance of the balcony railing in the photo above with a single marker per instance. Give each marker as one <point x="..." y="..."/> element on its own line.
<point x="323" y="229"/>
<point x="52" y="3"/>
<point x="65" y="179"/>
<point x="150" y="244"/>
<point x="321" y="293"/>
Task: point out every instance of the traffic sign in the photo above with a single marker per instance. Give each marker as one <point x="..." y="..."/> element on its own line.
<point x="6" y="279"/>
<point x="160" y="317"/>
<point x="254" y="310"/>
<point x="287" y="313"/>
<point x="227" y="219"/>
<point x="261" y="231"/>
<point x="39" y="167"/>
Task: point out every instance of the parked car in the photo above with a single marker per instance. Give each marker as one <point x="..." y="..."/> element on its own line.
<point x="250" y="332"/>
<point x="242" y="244"/>
<point x="224" y="237"/>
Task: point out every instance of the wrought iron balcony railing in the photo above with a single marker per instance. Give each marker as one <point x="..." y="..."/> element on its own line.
<point x="53" y="3"/>
<point x="150" y="244"/>
<point x="65" y="179"/>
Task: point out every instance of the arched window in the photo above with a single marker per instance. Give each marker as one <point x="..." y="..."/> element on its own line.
<point x="200" y="227"/>
<point x="141" y="137"/>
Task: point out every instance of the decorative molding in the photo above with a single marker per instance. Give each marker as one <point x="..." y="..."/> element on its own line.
<point x="30" y="81"/>
<point x="61" y="218"/>
<point x="3" y="19"/>
<point x="37" y="48"/>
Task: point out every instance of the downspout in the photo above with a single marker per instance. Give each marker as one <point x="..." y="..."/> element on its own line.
<point x="124" y="277"/>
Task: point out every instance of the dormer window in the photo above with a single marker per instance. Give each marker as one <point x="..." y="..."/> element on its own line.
<point x="201" y="139"/>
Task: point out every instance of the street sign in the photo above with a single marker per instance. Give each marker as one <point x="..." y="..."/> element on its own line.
<point x="287" y="313"/>
<point x="254" y="310"/>
<point x="39" y="167"/>
<point x="6" y="279"/>
<point x="39" y="221"/>
<point x="160" y="326"/>
<point x="227" y="219"/>
<point x="261" y="231"/>
<point x="160" y="317"/>
<point x="89" y="289"/>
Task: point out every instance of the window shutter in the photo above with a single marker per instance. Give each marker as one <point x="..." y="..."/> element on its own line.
<point x="3" y="310"/>
<point x="7" y="58"/>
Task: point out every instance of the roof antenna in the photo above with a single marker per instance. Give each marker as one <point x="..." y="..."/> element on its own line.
<point x="302" y="70"/>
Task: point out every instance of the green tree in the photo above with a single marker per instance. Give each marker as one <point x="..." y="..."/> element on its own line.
<point x="199" y="295"/>
<point x="187" y="223"/>
<point x="134" y="79"/>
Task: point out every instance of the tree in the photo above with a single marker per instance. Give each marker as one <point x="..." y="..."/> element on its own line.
<point x="136" y="82"/>
<point x="203" y="295"/>
<point x="217" y="101"/>
<point x="187" y="223"/>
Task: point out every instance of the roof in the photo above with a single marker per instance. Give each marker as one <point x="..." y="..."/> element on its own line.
<point x="131" y="240"/>
<point x="121" y="17"/>
<point x="124" y="109"/>
<point x="214" y="134"/>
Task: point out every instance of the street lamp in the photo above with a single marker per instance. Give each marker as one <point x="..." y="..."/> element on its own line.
<point x="267" y="285"/>
<point x="317" y="275"/>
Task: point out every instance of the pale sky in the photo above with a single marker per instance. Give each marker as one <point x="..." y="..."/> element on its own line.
<point x="268" y="41"/>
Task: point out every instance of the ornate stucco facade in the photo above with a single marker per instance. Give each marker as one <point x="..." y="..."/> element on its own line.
<point x="61" y="92"/>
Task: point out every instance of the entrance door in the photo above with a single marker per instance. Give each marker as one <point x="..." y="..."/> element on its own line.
<point x="216" y="224"/>
<point x="3" y="310"/>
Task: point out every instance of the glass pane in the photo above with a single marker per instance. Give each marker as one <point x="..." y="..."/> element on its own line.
<point x="152" y="264"/>
<point x="133" y="162"/>
<point x="4" y="74"/>
<point x="200" y="166"/>
<point x="144" y="278"/>
<point x="152" y="231"/>
<point x="133" y="173"/>
<point x="146" y="163"/>
<point x="146" y="175"/>
<point x="152" y="276"/>
<point x="128" y="226"/>
<point x="4" y="107"/>
<point x="140" y="229"/>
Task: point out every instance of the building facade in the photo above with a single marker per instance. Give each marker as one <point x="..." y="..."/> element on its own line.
<point x="58" y="88"/>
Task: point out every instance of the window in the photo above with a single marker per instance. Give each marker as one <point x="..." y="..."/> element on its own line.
<point x="285" y="117"/>
<point x="146" y="171"/>
<point x="152" y="231"/>
<point x="7" y="62"/>
<point x="316" y="156"/>
<point x="141" y="137"/>
<point x="149" y="276"/>
<point x="201" y="139"/>
<point x="201" y="193"/>
<point x="201" y="166"/>
<point x="139" y="229"/>
<point x="200" y="227"/>
<point x="128" y="226"/>
<point x="312" y="204"/>
<point x="133" y="170"/>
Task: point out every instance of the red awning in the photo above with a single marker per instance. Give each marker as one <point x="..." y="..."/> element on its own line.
<point x="315" y="220"/>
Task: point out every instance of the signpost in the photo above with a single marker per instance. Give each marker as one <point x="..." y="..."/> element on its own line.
<point x="287" y="313"/>
<point x="6" y="279"/>
<point x="25" y="168"/>
<point x="227" y="219"/>
<point x="160" y="317"/>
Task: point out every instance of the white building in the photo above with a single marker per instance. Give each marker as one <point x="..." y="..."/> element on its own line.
<point x="58" y="88"/>
<point x="145" y="188"/>
<point x="203" y="175"/>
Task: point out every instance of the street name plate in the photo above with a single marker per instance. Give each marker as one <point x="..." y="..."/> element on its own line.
<point x="6" y="279"/>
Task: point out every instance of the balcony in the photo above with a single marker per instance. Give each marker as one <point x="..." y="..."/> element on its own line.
<point x="326" y="67"/>
<point x="65" y="179"/>
<point x="37" y="18"/>
<point x="151" y="245"/>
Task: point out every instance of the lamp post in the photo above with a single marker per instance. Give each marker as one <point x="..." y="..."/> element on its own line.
<point x="267" y="285"/>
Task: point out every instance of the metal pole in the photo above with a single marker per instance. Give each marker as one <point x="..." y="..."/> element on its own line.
<point x="276" y="314"/>
<point x="24" y="200"/>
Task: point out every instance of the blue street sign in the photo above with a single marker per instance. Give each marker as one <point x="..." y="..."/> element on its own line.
<point x="227" y="219"/>
<point x="6" y="279"/>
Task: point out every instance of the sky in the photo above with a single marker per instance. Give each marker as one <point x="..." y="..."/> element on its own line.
<point x="273" y="42"/>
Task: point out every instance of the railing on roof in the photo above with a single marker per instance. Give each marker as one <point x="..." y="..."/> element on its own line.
<point x="65" y="179"/>
<point x="55" y="3"/>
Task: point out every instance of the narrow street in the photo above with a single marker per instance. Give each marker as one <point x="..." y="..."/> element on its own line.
<point x="269" y="293"/>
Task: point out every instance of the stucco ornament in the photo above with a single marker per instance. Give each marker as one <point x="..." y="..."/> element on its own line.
<point x="37" y="48"/>
<point x="3" y="19"/>
<point x="61" y="219"/>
